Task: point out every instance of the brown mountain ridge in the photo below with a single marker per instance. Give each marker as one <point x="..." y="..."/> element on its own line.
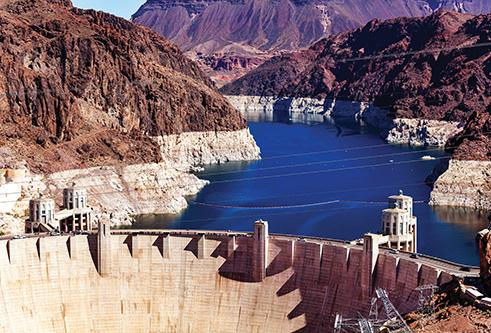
<point x="81" y="88"/>
<point x="230" y="37"/>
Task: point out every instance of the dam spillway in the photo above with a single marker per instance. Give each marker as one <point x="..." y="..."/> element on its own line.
<point x="197" y="281"/>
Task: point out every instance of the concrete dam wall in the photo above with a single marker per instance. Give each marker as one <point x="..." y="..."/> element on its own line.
<point x="178" y="281"/>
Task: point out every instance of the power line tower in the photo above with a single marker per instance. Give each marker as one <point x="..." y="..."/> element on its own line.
<point x="426" y="293"/>
<point x="394" y="322"/>
<point x="374" y="324"/>
<point x="373" y="315"/>
<point x="366" y="326"/>
<point x="426" y="306"/>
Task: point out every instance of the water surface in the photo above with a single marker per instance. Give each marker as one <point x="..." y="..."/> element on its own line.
<point x="337" y="176"/>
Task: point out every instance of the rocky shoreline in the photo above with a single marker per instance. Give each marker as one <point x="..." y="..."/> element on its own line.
<point x="118" y="192"/>
<point x="414" y="132"/>
<point x="268" y="104"/>
<point x="192" y="149"/>
<point x="422" y="132"/>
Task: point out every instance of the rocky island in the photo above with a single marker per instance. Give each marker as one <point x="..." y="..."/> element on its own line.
<point x="425" y="80"/>
<point x="91" y="98"/>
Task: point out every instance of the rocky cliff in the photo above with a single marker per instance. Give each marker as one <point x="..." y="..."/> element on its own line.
<point x="81" y="89"/>
<point x="238" y="30"/>
<point x="464" y="183"/>
<point x="484" y="243"/>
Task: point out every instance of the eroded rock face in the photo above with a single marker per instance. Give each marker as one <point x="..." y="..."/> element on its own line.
<point x="283" y="104"/>
<point x="227" y="67"/>
<point x="464" y="183"/>
<point x="475" y="140"/>
<point x="253" y="103"/>
<point x="187" y="150"/>
<point x="422" y="132"/>
<point x="82" y="88"/>
<point x="118" y="193"/>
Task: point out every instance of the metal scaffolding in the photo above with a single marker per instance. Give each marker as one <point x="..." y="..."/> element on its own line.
<point x="426" y="306"/>
<point x="426" y="293"/>
<point x="393" y="321"/>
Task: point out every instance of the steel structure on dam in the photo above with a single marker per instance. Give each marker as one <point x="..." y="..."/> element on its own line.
<point x="200" y="281"/>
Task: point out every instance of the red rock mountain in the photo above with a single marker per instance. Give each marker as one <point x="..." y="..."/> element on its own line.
<point x="437" y="67"/>
<point x="249" y="31"/>
<point x="80" y="87"/>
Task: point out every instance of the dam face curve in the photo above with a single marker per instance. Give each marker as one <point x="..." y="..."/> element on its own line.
<point x="179" y="281"/>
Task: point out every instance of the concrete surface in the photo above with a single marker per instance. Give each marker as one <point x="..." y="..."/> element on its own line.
<point x="186" y="281"/>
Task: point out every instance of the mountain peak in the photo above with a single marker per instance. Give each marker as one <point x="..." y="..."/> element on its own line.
<point x="246" y="32"/>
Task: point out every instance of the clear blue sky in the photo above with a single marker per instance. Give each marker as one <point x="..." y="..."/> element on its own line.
<point x="123" y="8"/>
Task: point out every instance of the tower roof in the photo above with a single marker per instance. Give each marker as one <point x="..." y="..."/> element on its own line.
<point x="75" y="186"/>
<point x="42" y="199"/>
<point x="400" y="196"/>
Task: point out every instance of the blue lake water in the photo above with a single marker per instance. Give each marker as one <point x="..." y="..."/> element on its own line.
<point x="309" y="165"/>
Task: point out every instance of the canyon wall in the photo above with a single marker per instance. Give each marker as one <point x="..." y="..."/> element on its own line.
<point x="188" y="150"/>
<point x="423" y="132"/>
<point x="306" y="105"/>
<point x="178" y="281"/>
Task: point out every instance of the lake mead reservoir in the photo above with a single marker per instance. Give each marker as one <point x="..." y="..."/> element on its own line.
<point x="326" y="179"/>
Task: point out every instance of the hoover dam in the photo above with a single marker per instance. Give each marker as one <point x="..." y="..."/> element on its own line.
<point x="201" y="281"/>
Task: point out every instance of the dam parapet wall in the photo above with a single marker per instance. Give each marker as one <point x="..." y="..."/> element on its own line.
<point x="179" y="281"/>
